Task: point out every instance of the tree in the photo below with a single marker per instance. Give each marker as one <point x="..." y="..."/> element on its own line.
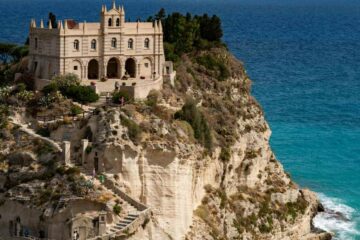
<point x="6" y="52"/>
<point x="183" y="33"/>
<point x="12" y="52"/>
<point x="210" y="28"/>
<point x="160" y="15"/>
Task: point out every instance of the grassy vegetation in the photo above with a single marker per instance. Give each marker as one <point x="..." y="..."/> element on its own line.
<point x="116" y="97"/>
<point x="4" y="114"/>
<point x="134" y="129"/>
<point x="212" y="63"/>
<point x="196" y="119"/>
<point x="75" y="110"/>
<point x="225" y="154"/>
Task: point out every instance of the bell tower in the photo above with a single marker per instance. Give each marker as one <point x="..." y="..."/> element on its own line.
<point x="112" y="18"/>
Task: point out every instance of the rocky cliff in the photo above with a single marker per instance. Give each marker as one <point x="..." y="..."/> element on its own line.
<point x="198" y="154"/>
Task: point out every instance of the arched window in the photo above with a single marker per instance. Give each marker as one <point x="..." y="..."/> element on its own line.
<point x="131" y="43"/>
<point x="113" y="42"/>
<point x="147" y="43"/>
<point x="93" y="44"/>
<point x="118" y="22"/>
<point x="76" y="45"/>
<point x="110" y="22"/>
<point x="36" y="43"/>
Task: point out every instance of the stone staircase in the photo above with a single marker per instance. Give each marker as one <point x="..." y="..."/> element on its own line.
<point x="132" y="216"/>
<point x="25" y="128"/>
<point x="129" y="214"/>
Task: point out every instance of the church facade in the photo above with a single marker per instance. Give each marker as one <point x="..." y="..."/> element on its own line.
<point x="101" y="54"/>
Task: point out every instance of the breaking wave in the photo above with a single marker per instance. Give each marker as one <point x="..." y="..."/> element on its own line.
<point x="338" y="218"/>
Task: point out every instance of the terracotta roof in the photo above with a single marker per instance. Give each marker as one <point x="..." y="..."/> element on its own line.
<point x="71" y="24"/>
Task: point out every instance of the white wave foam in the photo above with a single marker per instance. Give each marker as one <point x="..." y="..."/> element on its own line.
<point x="337" y="218"/>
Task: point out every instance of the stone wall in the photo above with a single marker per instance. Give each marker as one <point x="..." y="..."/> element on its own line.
<point x="27" y="218"/>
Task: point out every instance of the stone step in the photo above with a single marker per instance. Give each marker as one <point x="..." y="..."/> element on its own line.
<point x="130" y="218"/>
<point x="120" y="227"/>
<point x="125" y="222"/>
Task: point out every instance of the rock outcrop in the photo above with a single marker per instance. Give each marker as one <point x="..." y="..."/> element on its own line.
<point x="195" y="156"/>
<point x="238" y="190"/>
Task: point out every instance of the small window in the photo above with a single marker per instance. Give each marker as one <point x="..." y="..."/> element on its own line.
<point x="146" y="65"/>
<point x="75" y="68"/>
<point x="147" y="43"/>
<point x="110" y="22"/>
<point x="76" y="45"/>
<point x="113" y="43"/>
<point x="93" y="44"/>
<point x="118" y="22"/>
<point x="36" y="43"/>
<point x="131" y="43"/>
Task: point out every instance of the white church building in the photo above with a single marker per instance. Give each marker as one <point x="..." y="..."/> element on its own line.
<point x="101" y="54"/>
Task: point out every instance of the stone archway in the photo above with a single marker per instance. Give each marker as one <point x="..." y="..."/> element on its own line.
<point x="93" y="69"/>
<point x="130" y="67"/>
<point x="113" y="67"/>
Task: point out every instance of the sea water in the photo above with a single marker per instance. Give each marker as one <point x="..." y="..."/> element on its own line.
<point x="304" y="60"/>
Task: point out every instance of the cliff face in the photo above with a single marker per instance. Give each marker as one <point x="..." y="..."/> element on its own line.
<point x="236" y="190"/>
<point x="196" y="153"/>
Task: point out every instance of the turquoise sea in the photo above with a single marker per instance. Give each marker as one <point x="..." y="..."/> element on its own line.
<point x="304" y="60"/>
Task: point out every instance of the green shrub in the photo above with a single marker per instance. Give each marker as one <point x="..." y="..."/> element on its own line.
<point x="7" y="75"/>
<point x="88" y="149"/>
<point x="28" y="80"/>
<point x="75" y="110"/>
<point x="265" y="228"/>
<point x="225" y="154"/>
<point x="134" y="130"/>
<point x="82" y="94"/>
<point x="4" y="113"/>
<point x="50" y="88"/>
<point x="217" y="65"/>
<point x="117" y="209"/>
<point x="60" y="170"/>
<point x="196" y="119"/>
<point x="116" y="98"/>
<point x="66" y="80"/>
<point x="45" y="132"/>
<point x="20" y="87"/>
<point x="153" y="98"/>
<point x="207" y="61"/>
<point x="69" y="86"/>
<point x="72" y="171"/>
